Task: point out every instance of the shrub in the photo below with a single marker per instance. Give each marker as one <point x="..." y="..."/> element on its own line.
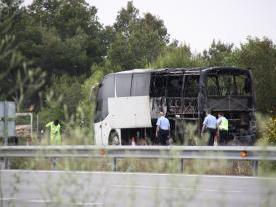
<point x="270" y="132"/>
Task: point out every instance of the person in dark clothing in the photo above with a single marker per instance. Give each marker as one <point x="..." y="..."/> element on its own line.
<point x="222" y="125"/>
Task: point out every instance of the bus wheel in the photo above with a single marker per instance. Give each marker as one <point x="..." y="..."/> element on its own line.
<point x="113" y="138"/>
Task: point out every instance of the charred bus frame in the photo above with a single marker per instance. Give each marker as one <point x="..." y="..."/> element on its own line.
<point x="128" y="103"/>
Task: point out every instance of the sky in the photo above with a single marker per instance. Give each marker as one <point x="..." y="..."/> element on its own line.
<point x="198" y="22"/>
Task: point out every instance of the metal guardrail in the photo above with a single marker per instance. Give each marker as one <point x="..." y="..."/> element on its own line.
<point x="254" y="154"/>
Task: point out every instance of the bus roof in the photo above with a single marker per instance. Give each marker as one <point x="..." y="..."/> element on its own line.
<point x="195" y="70"/>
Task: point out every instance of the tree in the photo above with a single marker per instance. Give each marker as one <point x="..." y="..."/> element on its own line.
<point x="138" y="41"/>
<point x="125" y="18"/>
<point x="219" y="54"/>
<point x="19" y="81"/>
<point x="260" y="56"/>
<point x="174" y="56"/>
<point x="62" y="36"/>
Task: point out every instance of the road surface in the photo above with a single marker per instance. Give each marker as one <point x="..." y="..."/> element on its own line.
<point x="65" y="188"/>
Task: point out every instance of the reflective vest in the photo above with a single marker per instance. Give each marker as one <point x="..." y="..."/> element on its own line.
<point x="55" y="134"/>
<point x="223" y="124"/>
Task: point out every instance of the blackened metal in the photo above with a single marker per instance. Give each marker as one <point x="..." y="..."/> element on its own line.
<point x="185" y="93"/>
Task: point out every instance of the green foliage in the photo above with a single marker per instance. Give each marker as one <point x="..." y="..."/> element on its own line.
<point x="219" y="54"/>
<point x="260" y="56"/>
<point x="19" y="80"/>
<point x="53" y="110"/>
<point x="69" y="100"/>
<point x="177" y="57"/>
<point x="269" y="137"/>
<point x="64" y="36"/>
<point x="85" y="110"/>
<point x="137" y="41"/>
<point x="62" y="98"/>
<point x="40" y="44"/>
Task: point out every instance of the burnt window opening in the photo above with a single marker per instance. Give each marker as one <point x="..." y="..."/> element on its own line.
<point x="191" y="88"/>
<point x="158" y="86"/>
<point x="213" y="87"/>
<point x="243" y="84"/>
<point x="228" y="84"/>
<point x="174" y="86"/>
<point x="174" y="93"/>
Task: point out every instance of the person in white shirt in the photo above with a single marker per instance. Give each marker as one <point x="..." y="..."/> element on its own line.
<point x="162" y="129"/>
<point x="210" y="125"/>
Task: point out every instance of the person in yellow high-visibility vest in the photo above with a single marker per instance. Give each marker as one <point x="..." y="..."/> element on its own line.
<point x="222" y="126"/>
<point x="55" y="132"/>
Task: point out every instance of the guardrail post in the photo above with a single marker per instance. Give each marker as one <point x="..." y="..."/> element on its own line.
<point x="6" y="138"/>
<point x="6" y="164"/>
<point x="255" y="167"/>
<point x="181" y="167"/>
<point x="114" y="164"/>
<point x="53" y="162"/>
<point x="2" y="163"/>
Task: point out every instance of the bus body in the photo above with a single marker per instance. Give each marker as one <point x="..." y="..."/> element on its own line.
<point x="128" y="104"/>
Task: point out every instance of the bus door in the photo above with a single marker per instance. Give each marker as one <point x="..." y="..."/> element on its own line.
<point x="105" y="91"/>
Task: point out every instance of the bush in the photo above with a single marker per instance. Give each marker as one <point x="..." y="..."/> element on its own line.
<point x="269" y="135"/>
<point x="268" y="138"/>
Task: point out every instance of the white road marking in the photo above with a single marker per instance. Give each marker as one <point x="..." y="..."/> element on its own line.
<point x="7" y="199"/>
<point x="171" y="188"/>
<point x="139" y="173"/>
<point x="50" y="201"/>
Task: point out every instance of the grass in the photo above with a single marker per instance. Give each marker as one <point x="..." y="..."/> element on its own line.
<point x="80" y="136"/>
<point x="210" y="167"/>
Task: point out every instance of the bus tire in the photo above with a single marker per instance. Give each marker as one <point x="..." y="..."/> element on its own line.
<point x="113" y="138"/>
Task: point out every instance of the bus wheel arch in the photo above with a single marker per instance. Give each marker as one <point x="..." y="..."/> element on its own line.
<point x="113" y="138"/>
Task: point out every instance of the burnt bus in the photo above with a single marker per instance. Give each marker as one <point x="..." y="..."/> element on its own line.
<point x="128" y="104"/>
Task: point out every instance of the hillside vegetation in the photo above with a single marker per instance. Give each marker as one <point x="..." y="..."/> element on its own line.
<point x="53" y="51"/>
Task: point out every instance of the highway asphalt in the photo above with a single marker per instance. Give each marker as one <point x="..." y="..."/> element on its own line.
<point x="67" y="188"/>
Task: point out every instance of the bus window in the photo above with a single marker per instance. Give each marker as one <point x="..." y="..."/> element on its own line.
<point x="243" y="84"/>
<point x="191" y="85"/>
<point x="213" y="88"/>
<point x="219" y="85"/>
<point x="158" y="86"/>
<point x="228" y="84"/>
<point x="140" y="84"/>
<point x="174" y="86"/>
<point x="123" y="84"/>
<point x="98" y="113"/>
<point x="107" y="87"/>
